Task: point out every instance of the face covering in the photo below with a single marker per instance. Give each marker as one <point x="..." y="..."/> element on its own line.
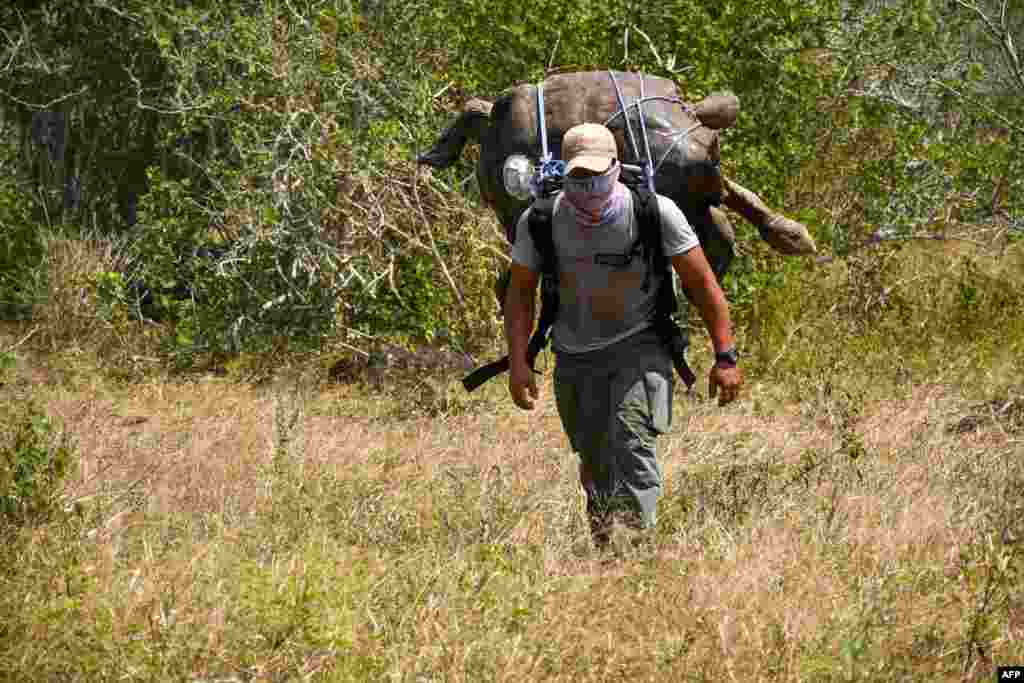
<point x="597" y="200"/>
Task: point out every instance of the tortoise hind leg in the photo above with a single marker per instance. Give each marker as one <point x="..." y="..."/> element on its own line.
<point x="783" y="234"/>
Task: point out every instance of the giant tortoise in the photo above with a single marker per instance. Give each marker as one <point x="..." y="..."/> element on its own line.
<point x="683" y="141"/>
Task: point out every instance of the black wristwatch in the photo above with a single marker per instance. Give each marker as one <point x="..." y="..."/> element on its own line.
<point x="728" y="358"/>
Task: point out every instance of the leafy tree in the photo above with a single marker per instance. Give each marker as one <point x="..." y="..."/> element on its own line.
<point x="945" y="79"/>
<point x="262" y="150"/>
<point x="72" y="79"/>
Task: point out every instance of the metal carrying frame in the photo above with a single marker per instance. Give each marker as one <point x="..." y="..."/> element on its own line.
<point x="550" y="171"/>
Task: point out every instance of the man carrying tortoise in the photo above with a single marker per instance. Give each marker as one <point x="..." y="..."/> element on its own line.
<point x="613" y="374"/>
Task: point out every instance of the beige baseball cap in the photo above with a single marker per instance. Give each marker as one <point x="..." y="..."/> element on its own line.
<point x="590" y="146"/>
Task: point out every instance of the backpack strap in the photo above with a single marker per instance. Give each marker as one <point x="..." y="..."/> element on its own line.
<point x="648" y="221"/>
<point x="539" y="222"/>
<point x="648" y="218"/>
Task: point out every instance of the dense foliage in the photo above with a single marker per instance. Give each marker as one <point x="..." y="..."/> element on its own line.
<point x="257" y="155"/>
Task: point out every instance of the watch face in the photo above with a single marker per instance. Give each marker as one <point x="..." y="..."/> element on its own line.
<point x="730" y="357"/>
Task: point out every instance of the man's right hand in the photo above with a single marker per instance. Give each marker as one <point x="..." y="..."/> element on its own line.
<point x="522" y="384"/>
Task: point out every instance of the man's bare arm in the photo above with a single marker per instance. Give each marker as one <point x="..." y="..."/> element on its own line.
<point x="702" y="288"/>
<point x="519" y="310"/>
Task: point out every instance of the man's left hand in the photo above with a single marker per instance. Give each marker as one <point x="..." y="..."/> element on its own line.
<point x="728" y="380"/>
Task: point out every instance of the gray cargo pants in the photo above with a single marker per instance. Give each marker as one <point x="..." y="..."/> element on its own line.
<point x="613" y="404"/>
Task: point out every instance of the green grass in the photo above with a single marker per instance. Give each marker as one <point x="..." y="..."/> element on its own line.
<point x="855" y="517"/>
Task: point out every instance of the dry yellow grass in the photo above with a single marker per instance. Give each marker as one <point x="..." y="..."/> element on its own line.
<point x="835" y="524"/>
<point x="455" y="549"/>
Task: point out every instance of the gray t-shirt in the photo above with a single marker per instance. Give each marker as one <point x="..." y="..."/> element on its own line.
<point x="600" y="301"/>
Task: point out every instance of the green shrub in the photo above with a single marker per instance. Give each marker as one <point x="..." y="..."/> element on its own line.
<point x="8" y="362"/>
<point x="891" y="315"/>
<point x="21" y="252"/>
<point x="111" y="295"/>
<point x="35" y="458"/>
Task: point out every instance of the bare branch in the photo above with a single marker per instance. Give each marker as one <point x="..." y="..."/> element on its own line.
<point x="1012" y="55"/>
<point x="1009" y="123"/>
<point x="149" y="107"/>
<point x="103" y="4"/>
<point x="442" y="90"/>
<point x="666" y="64"/>
<point x="22" y="341"/>
<point x="45" y="105"/>
<point x="494" y="250"/>
<point x="433" y="245"/>
<point x="15" y="49"/>
<point x="650" y="44"/>
<point x="981" y="15"/>
<point x="1002" y="35"/>
<point x="352" y="348"/>
<point x="391" y="281"/>
<point x="554" y="50"/>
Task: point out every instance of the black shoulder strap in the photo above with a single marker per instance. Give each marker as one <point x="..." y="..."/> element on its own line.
<point x="648" y="217"/>
<point x="648" y="221"/>
<point x="544" y="242"/>
<point x="539" y="222"/>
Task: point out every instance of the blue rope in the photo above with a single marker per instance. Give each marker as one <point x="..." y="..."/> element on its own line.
<point x="648" y="168"/>
<point x="551" y="171"/>
<point x="545" y="154"/>
<point x="622" y="108"/>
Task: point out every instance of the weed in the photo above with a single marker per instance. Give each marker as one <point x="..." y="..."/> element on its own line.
<point x="35" y="458"/>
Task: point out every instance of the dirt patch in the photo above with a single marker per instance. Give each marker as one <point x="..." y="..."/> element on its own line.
<point x="185" y="448"/>
<point x="785" y="435"/>
<point x="199" y="447"/>
<point x="895" y="424"/>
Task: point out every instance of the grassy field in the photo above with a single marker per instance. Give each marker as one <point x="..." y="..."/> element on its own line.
<point x="857" y="515"/>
